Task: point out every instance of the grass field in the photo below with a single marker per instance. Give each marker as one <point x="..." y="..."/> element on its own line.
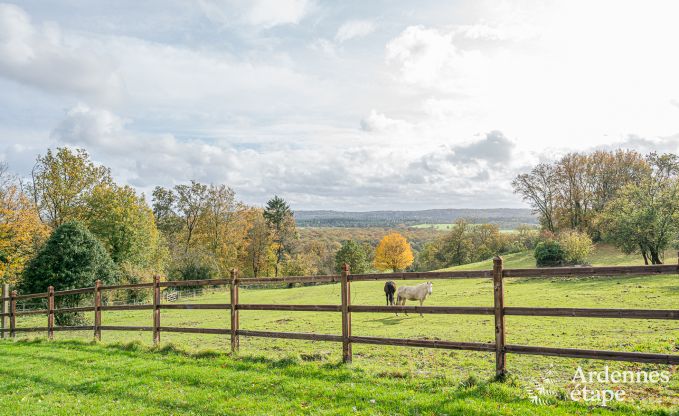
<point x="74" y="378"/>
<point x="413" y="367"/>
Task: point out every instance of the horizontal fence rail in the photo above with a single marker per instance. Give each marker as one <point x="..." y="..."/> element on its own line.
<point x="500" y="347"/>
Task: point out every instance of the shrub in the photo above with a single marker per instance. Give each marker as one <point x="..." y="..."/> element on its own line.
<point x="549" y="254"/>
<point x="71" y="258"/>
<point x="576" y="246"/>
<point x="193" y="267"/>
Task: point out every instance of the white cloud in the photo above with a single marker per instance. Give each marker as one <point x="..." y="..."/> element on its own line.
<point x="378" y="122"/>
<point x="354" y="29"/>
<point x="250" y="101"/>
<point x="42" y="56"/>
<point x="428" y="57"/>
<point x="375" y="175"/>
<point x="262" y="13"/>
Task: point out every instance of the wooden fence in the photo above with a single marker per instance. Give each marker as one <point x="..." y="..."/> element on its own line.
<point x="499" y="310"/>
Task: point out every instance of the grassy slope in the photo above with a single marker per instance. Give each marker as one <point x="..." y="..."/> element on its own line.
<point x="653" y="292"/>
<point x="70" y="378"/>
<point x="603" y="255"/>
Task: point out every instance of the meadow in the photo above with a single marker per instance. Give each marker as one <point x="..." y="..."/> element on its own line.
<point x="438" y="380"/>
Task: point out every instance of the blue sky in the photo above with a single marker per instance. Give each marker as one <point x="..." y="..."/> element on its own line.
<point x="337" y="105"/>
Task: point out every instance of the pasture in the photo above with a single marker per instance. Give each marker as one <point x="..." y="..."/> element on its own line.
<point x="413" y="367"/>
<point x="92" y="379"/>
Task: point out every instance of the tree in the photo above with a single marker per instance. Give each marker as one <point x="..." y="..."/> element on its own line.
<point x="393" y="253"/>
<point x="125" y="225"/>
<point x="258" y="244"/>
<point x="570" y="193"/>
<point x="352" y="254"/>
<point x="222" y="227"/>
<point x="279" y="218"/>
<point x="71" y="258"/>
<point x="191" y="201"/>
<point x="644" y="218"/>
<point x="21" y="231"/>
<point x="164" y="211"/>
<point x="62" y="181"/>
<point x="457" y="246"/>
<point x="538" y="188"/>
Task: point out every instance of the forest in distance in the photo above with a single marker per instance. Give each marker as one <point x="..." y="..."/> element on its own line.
<point x="505" y="218"/>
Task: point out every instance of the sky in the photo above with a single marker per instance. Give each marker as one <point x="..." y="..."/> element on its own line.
<point x="348" y="105"/>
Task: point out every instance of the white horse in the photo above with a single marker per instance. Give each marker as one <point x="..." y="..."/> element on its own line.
<point x="419" y="292"/>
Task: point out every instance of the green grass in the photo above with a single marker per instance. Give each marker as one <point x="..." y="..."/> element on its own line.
<point x="414" y="367"/>
<point x="75" y="378"/>
<point x="603" y="255"/>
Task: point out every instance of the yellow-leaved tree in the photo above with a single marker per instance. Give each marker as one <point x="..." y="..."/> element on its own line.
<point x="21" y="233"/>
<point x="393" y="253"/>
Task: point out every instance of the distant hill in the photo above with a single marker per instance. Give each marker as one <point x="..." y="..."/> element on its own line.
<point x="504" y="217"/>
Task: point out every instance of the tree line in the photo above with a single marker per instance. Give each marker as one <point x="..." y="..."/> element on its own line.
<point x="622" y="197"/>
<point x="70" y="223"/>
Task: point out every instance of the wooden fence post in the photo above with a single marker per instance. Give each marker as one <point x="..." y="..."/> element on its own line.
<point x="235" y="318"/>
<point x="499" y="302"/>
<point x="12" y="313"/>
<point x="50" y="312"/>
<point x="156" y="310"/>
<point x="97" y="310"/>
<point x="5" y="308"/>
<point x="346" y="315"/>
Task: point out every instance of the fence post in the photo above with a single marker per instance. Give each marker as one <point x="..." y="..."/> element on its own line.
<point x="156" y="310"/>
<point x="12" y="313"/>
<point x="499" y="302"/>
<point x="97" y="310"/>
<point x="5" y="308"/>
<point x="346" y="315"/>
<point x="235" y="318"/>
<point x="50" y="312"/>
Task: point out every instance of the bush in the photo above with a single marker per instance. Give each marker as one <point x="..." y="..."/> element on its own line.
<point x="549" y="254"/>
<point x="576" y="246"/>
<point x="129" y="274"/>
<point x="193" y="267"/>
<point x="71" y="258"/>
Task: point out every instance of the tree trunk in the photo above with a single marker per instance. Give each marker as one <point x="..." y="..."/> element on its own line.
<point x="655" y="258"/>
<point x="643" y="253"/>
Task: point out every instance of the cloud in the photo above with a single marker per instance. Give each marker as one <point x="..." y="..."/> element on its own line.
<point x="493" y="148"/>
<point x="428" y="57"/>
<point x="354" y="29"/>
<point x="368" y="175"/>
<point x="42" y="56"/>
<point x="378" y="122"/>
<point x="261" y="13"/>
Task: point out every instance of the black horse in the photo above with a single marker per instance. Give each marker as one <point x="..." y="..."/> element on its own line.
<point x="389" y="290"/>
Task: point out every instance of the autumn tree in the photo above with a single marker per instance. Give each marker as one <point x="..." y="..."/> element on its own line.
<point x="62" y="182"/>
<point x="281" y="223"/>
<point x="21" y="231"/>
<point x="258" y="244"/>
<point x="191" y="201"/>
<point x="393" y="253"/>
<point x="223" y="227"/>
<point x="572" y="192"/>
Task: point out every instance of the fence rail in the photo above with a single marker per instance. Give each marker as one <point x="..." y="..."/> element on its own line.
<point x="498" y="274"/>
